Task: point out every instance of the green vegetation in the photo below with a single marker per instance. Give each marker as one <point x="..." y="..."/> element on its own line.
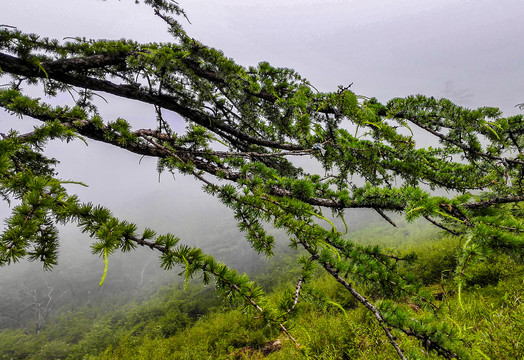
<point x="245" y="128"/>
<point x="198" y="324"/>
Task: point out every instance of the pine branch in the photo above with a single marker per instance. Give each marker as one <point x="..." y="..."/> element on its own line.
<point x="21" y="67"/>
<point x="376" y="313"/>
<point x="495" y="201"/>
<point x="468" y="149"/>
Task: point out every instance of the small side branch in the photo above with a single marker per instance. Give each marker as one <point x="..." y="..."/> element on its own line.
<point x="387" y="218"/>
<point x="441" y="226"/>
<point x="297" y="294"/>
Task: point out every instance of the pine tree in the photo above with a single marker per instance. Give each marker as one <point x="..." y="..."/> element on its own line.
<point x="261" y="117"/>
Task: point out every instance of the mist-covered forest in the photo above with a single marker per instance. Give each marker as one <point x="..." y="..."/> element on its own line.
<point x="194" y="180"/>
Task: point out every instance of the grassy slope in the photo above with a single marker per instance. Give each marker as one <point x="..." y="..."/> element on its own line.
<point x="196" y="324"/>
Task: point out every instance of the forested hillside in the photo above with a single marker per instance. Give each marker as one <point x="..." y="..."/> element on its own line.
<point x="197" y="323"/>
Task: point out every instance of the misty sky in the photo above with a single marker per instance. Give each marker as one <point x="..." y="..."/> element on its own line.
<point x="468" y="51"/>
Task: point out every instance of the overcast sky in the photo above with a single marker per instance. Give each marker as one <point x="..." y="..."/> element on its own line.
<point x="468" y="51"/>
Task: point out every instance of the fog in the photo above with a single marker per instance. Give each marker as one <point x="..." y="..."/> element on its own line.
<point x="470" y="52"/>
